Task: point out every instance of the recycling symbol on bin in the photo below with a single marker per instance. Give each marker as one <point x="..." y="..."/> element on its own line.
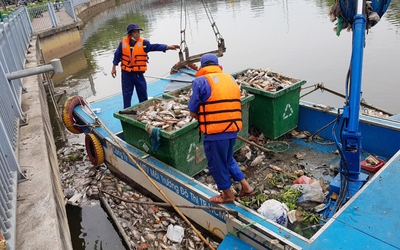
<point x="190" y="156"/>
<point x="288" y="111"/>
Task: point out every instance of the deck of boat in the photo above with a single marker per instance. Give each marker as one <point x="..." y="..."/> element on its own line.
<point x="369" y="220"/>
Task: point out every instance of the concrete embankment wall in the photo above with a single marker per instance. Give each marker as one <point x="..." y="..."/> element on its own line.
<point x="89" y="10"/>
<point x="60" y="42"/>
<point x="41" y="213"/>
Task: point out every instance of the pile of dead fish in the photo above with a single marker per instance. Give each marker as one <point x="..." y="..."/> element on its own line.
<point x="373" y="112"/>
<point x="167" y="114"/>
<point x="183" y="95"/>
<point x="264" y="80"/>
<point x="143" y="225"/>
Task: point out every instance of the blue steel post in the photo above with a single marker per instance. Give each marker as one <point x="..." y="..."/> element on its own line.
<point x="350" y="179"/>
<point x="351" y="138"/>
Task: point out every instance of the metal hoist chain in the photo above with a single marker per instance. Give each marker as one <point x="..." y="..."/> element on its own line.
<point x="218" y="36"/>
<point x="183" y="44"/>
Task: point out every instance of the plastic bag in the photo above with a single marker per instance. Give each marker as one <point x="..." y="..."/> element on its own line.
<point x="311" y="192"/>
<point x="175" y="233"/>
<point x="275" y="211"/>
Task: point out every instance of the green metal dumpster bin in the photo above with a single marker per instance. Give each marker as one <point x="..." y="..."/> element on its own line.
<point x="184" y="95"/>
<point x="180" y="148"/>
<point x="275" y="113"/>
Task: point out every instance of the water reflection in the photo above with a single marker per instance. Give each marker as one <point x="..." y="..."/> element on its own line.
<point x="74" y="64"/>
<point x="108" y="21"/>
<point x="393" y="13"/>
<point x="96" y="231"/>
<point x="74" y="215"/>
<point x="295" y="38"/>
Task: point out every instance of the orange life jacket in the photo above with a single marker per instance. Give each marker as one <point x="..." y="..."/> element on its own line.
<point x="222" y="112"/>
<point x="133" y="58"/>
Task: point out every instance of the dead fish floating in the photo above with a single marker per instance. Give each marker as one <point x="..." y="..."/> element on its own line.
<point x="144" y="226"/>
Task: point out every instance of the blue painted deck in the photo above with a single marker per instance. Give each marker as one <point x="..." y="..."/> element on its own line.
<point x="395" y="117"/>
<point x="371" y="220"/>
<point x="234" y="243"/>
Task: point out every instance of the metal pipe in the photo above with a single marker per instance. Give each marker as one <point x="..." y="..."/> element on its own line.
<point x="55" y="66"/>
<point x="361" y="103"/>
<point x="360" y="7"/>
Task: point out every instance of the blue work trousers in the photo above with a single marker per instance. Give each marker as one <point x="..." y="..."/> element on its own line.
<point x="130" y="81"/>
<point x="221" y="164"/>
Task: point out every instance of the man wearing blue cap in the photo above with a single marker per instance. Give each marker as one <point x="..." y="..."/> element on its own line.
<point x="132" y="54"/>
<point x="215" y="103"/>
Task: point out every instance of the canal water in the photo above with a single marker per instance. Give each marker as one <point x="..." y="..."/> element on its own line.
<point x="291" y="37"/>
<point x="91" y="228"/>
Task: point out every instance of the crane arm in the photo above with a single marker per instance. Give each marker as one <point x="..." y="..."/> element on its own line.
<point x="356" y="13"/>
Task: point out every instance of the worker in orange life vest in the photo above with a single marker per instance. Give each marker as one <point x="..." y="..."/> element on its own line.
<point x="215" y="103"/>
<point x="132" y="54"/>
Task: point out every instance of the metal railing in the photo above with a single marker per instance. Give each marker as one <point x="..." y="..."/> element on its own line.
<point x="77" y="2"/>
<point x="15" y="34"/>
<point x="69" y="8"/>
<point x="52" y="14"/>
<point x="9" y="171"/>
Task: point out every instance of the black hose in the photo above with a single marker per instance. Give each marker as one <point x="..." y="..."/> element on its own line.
<point x="344" y="181"/>
<point x="319" y="130"/>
